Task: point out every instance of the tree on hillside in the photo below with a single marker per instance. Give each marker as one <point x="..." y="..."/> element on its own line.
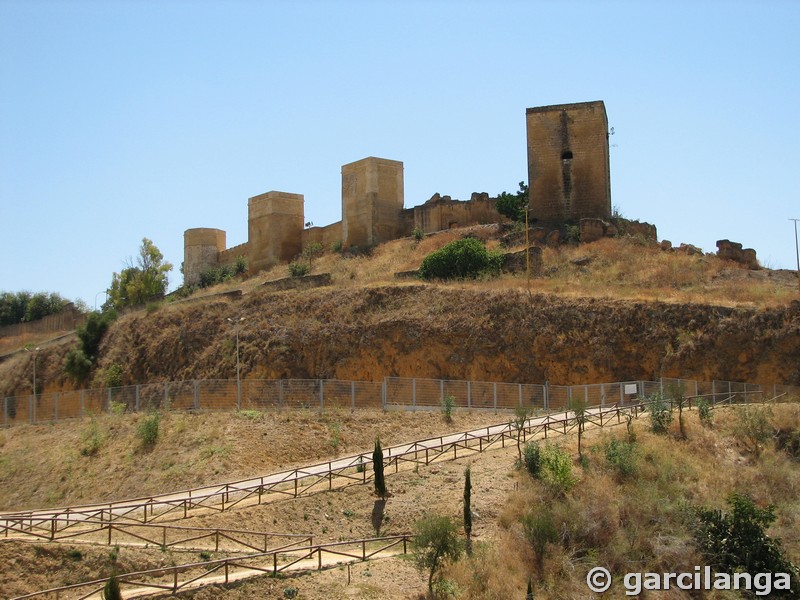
<point x="435" y="542"/>
<point x="513" y="205"/>
<point x="140" y="283"/>
<point x="23" y="307"/>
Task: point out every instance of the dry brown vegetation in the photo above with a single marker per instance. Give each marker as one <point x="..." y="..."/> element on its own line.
<point x="635" y="522"/>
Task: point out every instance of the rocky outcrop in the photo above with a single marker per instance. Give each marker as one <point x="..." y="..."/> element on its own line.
<point x="733" y="251"/>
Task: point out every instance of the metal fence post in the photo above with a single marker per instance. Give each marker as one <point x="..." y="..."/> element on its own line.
<point x="519" y="393"/>
<point x="82" y="406"/>
<point x="414" y="392"/>
<point x="196" y="395"/>
<point x="469" y="394"/>
<point x="137" y="406"/>
<point x="494" y="394"/>
<point x="321" y="394"/>
<point x="55" y="407"/>
<point x="383" y="393"/>
<point x="31" y="416"/>
<point x="280" y="393"/>
<point x="441" y="390"/>
<point x="546" y="396"/>
<point x="353" y="395"/>
<point x="166" y="395"/>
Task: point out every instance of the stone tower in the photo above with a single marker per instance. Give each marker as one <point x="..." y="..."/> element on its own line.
<point x="274" y="229"/>
<point x="372" y="201"/>
<point x="201" y="249"/>
<point x="568" y="164"/>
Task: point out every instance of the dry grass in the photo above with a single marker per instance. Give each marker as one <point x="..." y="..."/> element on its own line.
<point x="624" y="268"/>
<point x="641" y="523"/>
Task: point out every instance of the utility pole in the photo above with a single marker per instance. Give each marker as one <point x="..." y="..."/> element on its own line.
<point x="796" y="252"/>
<point x="238" y="377"/>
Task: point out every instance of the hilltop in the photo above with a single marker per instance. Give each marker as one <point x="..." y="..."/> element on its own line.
<point x="613" y="310"/>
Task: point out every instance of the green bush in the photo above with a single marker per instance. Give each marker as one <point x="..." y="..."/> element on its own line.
<point x="533" y="459"/>
<point x="621" y="457"/>
<point x="737" y="542"/>
<point x="752" y="428"/>
<point x="92" y="439"/>
<point x="216" y="275"/>
<point x="298" y="269"/>
<point x="448" y="403"/>
<point x="112" y="375"/>
<point x="336" y="246"/>
<point x="77" y="366"/>
<point x="147" y="430"/>
<point x="540" y="530"/>
<point x="550" y="464"/>
<point x="111" y="591"/>
<point x="418" y="234"/>
<point x="660" y="414"/>
<point x="461" y="259"/>
<point x="704" y="412"/>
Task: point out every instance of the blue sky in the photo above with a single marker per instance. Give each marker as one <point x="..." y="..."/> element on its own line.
<point x="128" y="119"/>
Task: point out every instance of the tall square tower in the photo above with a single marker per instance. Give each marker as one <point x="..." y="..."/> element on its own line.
<point x="372" y="199"/>
<point x="568" y="162"/>
<point x="274" y="228"/>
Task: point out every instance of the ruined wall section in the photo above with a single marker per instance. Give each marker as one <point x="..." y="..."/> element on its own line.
<point x="274" y="229"/>
<point x="568" y="162"/>
<point x="327" y="236"/>
<point x="201" y="250"/>
<point x="372" y="200"/>
<point x="442" y="212"/>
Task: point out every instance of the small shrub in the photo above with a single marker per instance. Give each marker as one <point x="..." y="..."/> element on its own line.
<point x="573" y="233"/>
<point x="92" y="439"/>
<point x="447" y="404"/>
<point x="290" y="592"/>
<point x="540" y="530"/>
<point x="533" y="459"/>
<point x="205" y="556"/>
<point x="240" y="265"/>
<point x="147" y="430"/>
<point x="336" y="246"/>
<point x="418" y="234"/>
<point x="660" y="414"/>
<point x="299" y="269"/>
<point x="117" y="408"/>
<point x="336" y="435"/>
<point x="621" y="457"/>
<point x="74" y="554"/>
<point x="461" y="259"/>
<point x="112" y="375"/>
<point x="705" y="414"/>
<point x="752" y="427"/>
<point x="556" y="469"/>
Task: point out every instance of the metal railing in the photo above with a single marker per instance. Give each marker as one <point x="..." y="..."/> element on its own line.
<point x="325" y="394"/>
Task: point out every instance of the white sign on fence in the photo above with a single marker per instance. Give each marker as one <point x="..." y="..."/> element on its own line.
<point x="630" y="389"/>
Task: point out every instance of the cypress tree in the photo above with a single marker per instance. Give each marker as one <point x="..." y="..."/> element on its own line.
<point x="111" y="591"/>
<point x="468" y="508"/>
<point x="377" y="467"/>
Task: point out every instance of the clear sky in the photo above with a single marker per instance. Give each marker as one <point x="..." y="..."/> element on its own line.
<point x="128" y="119"/>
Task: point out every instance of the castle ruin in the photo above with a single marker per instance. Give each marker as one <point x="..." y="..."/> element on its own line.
<point x="568" y="174"/>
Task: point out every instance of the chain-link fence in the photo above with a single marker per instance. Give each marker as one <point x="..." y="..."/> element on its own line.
<point x="392" y="392"/>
